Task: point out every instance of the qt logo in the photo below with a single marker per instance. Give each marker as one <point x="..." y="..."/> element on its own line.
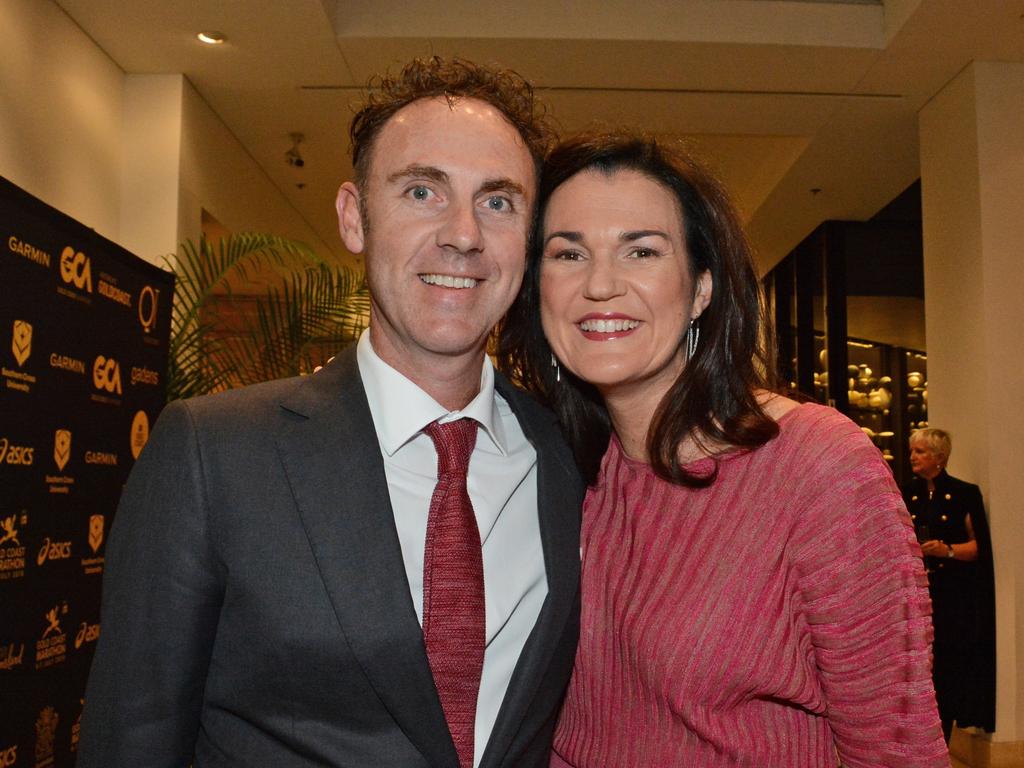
<point x="147" y="307"/>
<point x="62" y="448"/>
<point x="75" y="269"/>
<point x="106" y="374"/>
<point x="21" y="342"/>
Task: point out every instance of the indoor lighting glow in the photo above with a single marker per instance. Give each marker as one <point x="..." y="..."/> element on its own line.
<point x="212" y="38"/>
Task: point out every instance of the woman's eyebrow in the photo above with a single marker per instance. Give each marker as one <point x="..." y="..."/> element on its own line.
<point x="572" y="237"/>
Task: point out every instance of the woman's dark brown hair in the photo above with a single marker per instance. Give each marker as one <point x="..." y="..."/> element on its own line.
<point x="714" y="398"/>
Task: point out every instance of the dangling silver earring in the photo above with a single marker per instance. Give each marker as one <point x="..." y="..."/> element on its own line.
<point x="692" y="337"/>
<point x="554" y="364"/>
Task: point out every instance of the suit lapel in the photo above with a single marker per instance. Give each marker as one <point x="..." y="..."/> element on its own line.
<point x="336" y="473"/>
<point x="558" y="501"/>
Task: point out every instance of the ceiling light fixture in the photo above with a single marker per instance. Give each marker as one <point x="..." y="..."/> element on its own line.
<point x="292" y="156"/>
<point x="212" y="38"/>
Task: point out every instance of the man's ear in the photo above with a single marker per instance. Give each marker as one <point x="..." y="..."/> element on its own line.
<point x="350" y="217"/>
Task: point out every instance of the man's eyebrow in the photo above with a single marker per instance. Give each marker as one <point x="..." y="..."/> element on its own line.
<point x="419" y="172"/>
<point x="502" y="185"/>
<point x="572" y="237"/>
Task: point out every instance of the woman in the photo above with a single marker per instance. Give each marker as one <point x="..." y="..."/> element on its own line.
<point x="949" y="517"/>
<point x="752" y="593"/>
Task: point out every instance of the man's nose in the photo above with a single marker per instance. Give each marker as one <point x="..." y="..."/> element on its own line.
<point x="460" y="229"/>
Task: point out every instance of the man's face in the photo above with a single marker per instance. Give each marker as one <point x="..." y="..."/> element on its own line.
<point x="444" y="226"/>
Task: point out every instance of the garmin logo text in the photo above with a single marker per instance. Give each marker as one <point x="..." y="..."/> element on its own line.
<point x="67" y="363"/>
<point x="30" y="252"/>
<point x="98" y="457"/>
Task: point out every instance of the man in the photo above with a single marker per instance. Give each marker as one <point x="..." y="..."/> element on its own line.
<point x="277" y="590"/>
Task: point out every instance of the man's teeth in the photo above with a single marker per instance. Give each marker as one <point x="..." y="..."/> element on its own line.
<point x="449" y="281"/>
<point x="608" y="326"/>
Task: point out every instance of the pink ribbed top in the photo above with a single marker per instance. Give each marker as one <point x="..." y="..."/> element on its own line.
<point x="769" y="620"/>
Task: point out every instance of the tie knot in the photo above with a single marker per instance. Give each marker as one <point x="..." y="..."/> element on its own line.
<point x="454" y="442"/>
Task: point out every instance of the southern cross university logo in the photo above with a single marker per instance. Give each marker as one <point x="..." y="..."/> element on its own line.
<point x="62" y="448"/>
<point x="21" y="343"/>
<point x="95" y="532"/>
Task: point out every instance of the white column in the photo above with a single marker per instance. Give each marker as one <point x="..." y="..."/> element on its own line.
<point x="151" y="168"/>
<point x="972" y="183"/>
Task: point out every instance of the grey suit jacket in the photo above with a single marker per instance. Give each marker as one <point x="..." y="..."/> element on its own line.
<point x="256" y="610"/>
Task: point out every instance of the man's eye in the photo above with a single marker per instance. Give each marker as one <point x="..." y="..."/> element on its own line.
<point x="419" y="192"/>
<point x="499" y="203"/>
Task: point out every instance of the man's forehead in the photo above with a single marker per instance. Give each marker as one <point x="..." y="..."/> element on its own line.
<point x="462" y="127"/>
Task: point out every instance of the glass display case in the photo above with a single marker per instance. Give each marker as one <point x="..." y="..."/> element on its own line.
<point x="848" y="307"/>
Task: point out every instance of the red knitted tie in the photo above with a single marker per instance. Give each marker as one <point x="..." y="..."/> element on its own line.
<point x="454" y="621"/>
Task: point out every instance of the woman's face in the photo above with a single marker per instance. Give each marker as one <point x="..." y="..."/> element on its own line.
<point x="616" y="291"/>
<point x="923" y="462"/>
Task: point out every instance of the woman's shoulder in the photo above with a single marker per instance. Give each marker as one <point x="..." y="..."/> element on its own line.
<point x="803" y="421"/>
<point x="963" y="485"/>
<point x="821" y="441"/>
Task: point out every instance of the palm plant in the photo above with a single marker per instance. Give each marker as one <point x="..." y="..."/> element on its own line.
<point x="314" y="310"/>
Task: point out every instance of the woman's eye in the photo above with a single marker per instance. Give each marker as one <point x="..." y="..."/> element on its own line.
<point x="499" y="203"/>
<point x="643" y="253"/>
<point x="566" y="255"/>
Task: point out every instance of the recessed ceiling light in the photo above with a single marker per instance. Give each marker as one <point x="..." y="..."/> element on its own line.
<point x="212" y="38"/>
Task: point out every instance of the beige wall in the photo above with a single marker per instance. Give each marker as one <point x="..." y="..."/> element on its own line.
<point x="972" y="181"/>
<point x="60" y="114"/>
<point x="135" y="157"/>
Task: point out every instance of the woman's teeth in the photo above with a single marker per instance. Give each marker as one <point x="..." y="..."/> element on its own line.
<point x="608" y="326"/>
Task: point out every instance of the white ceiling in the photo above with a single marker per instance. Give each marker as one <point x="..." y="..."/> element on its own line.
<point x="782" y="98"/>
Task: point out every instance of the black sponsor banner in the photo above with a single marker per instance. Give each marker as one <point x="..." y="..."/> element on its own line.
<point x="84" y="329"/>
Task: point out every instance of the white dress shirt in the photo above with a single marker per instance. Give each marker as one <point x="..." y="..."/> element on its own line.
<point x="502" y="485"/>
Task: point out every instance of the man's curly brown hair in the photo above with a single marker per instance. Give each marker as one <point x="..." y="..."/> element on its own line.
<point x="453" y="79"/>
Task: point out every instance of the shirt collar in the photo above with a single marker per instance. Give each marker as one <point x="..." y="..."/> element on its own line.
<point x="400" y="409"/>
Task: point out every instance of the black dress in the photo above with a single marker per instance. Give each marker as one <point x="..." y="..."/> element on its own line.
<point x="963" y="601"/>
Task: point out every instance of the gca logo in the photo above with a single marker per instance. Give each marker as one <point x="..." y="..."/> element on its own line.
<point x="10" y="453"/>
<point x="74" y="269"/>
<point x="21" y="343"/>
<point x="9" y="756"/>
<point x="106" y="374"/>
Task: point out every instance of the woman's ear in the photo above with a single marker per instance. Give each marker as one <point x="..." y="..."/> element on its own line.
<point x="702" y="294"/>
<point x="350" y="217"/>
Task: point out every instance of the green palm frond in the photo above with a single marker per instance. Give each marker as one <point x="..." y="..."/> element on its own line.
<point x="298" y="325"/>
<point x="316" y="310"/>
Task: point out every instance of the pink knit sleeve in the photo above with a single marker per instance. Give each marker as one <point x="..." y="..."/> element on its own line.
<point x="865" y="600"/>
